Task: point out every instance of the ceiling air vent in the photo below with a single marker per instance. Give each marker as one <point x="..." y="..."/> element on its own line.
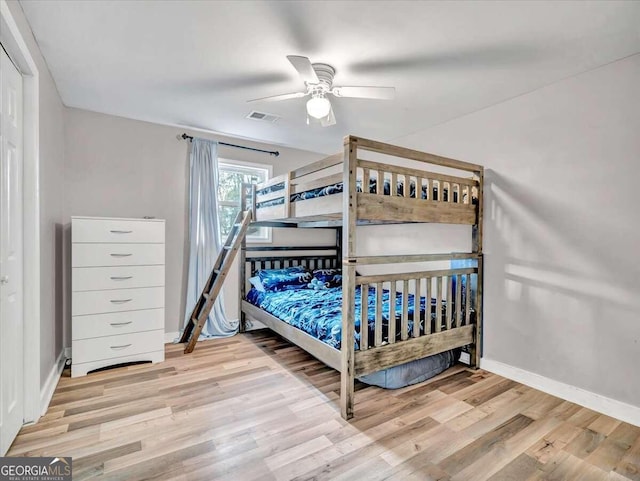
<point x="263" y="117"/>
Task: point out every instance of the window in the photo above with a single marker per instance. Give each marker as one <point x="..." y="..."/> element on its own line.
<point x="231" y="175"/>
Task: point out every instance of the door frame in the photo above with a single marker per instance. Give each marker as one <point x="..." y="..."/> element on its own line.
<point x="18" y="51"/>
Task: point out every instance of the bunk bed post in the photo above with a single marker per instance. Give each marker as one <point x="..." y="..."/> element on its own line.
<point x="254" y="202"/>
<point x="347" y="367"/>
<point x="287" y="195"/>
<point x="476" y="351"/>
<point x="338" y="247"/>
<point x="244" y="188"/>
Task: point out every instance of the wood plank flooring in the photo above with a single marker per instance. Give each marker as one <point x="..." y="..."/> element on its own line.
<point x="254" y="407"/>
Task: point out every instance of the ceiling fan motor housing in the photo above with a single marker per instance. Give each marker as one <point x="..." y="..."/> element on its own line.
<point x="325" y="74"/>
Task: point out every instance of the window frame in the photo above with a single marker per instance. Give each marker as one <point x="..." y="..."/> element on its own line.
<point x="230" y="164"/>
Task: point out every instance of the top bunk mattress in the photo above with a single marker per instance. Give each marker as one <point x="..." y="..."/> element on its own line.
<point x="338" y="188"/>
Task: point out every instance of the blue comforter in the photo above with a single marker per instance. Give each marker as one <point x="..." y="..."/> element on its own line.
<point x="319" y="312"/>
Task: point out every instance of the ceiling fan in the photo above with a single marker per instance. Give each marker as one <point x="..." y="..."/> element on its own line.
<point x="318" y="78"/>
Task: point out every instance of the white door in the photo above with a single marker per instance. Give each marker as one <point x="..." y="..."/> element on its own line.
<point x="11" y="285"/>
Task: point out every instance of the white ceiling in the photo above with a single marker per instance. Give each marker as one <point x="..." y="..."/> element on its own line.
<point x="197" y="62"/>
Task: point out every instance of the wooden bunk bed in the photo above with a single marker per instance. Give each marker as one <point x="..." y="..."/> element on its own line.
<point x="374" y="193"/>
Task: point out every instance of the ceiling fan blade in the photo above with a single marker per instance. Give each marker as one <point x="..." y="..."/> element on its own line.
<point x="380" y="93"/>
<point x="304" y="68"/>
<point x="275" y="98"/>
<point x="329" y="120"/>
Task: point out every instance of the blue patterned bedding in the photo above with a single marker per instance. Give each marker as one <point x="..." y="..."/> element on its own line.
<point x="319" y="312"/>
<point x="338" y="188"/>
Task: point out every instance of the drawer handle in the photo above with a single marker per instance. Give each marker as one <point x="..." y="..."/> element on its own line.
<point x="121" y="231"/>
<point x="121" y="278"/>
<point x="120" y="347"/>
<point x="120" y="323"/>
<point x="120" y="301"/>
<point x="121" y="255"/>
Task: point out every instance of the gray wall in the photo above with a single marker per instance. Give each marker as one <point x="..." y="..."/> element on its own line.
<point x="51" y="141"/>
<point x="117" y="167"/>
<point x="561" y="228"/>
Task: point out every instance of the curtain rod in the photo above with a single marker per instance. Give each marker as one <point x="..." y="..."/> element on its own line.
<point x="275" y="153"/>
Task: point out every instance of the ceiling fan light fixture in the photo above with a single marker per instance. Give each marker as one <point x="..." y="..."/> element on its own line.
<point x="318" y="107"/>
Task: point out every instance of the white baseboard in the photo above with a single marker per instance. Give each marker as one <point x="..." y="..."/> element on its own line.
<point x="617" y="409"/>
<point x="169" y="337"/>
<point x="46" y="392"/>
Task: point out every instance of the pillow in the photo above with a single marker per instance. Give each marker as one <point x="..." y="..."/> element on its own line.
<point x="274" y="280"/>
<point x="257" y="283"/>
<point x="317" y="285"/>
<point x="327" y="277"/>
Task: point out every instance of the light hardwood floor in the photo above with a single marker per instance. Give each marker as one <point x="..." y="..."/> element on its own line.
<point x="253" y="407"/>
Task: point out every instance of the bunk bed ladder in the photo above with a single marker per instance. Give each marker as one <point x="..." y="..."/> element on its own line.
<point x="213" y="286"/>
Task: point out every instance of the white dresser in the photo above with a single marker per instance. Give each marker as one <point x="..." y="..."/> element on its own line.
<point x="117" y="300"/>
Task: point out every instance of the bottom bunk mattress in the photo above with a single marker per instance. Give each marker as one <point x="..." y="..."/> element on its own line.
<point x="319" y="314"/>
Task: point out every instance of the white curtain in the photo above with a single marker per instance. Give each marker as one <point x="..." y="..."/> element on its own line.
<point x="204" y="238"/>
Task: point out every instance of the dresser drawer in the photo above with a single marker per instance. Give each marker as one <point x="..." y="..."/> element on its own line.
<point x="100" y="278"/>
<point x="99" y="255"/>
<point x="122" y="345"/>
<point x="116" y="300"/>
<point x="115" y="323"/>
<point x="117" y="231"/>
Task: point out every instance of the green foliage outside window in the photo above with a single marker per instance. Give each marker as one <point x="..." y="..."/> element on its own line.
<point x="230" y="180"/>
